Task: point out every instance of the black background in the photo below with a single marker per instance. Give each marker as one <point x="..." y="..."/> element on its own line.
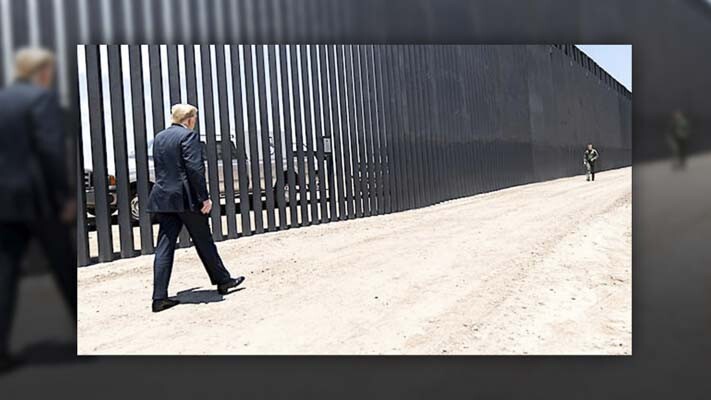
<point x="671" y="222"/>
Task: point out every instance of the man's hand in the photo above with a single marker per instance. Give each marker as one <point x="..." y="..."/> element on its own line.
<point x="206" y="206"/>
<point x="69" y="211"/>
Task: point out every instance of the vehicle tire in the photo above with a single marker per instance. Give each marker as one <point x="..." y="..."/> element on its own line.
<point x="287" y="193"/>
<point x="135" y="209"/>
<point x="133" y="206"/>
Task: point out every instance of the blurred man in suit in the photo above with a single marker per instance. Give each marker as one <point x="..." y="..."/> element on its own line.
<point x="179" y="197"/>
<point x="35" y="196"/>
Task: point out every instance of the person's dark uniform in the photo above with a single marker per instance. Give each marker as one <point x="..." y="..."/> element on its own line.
<point x="176" y="198"/>
<point x="33" y="190"/>
<point x="589" y="159"/>
<point x="679" y="138"/>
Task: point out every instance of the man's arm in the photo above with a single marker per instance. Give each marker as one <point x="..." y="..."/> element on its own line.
<point x="594" y="156"/>
<point x="194" y="165"/>
<point x="49" y="140"/>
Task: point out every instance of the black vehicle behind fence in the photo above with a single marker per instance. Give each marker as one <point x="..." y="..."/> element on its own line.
<point x="133" y="181"/>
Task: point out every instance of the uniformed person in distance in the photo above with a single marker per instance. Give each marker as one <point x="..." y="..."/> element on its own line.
<point x="589" y="158"/>
<point x="180" y="198"/>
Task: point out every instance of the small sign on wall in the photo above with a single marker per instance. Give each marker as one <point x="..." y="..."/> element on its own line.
<point x="327" y="145"/>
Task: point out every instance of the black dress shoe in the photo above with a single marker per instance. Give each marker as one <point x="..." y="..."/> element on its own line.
<point x="224" y="288"/>
<point x="164" y="304"/>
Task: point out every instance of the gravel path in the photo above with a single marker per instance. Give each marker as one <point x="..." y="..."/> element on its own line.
<point x="537" y="269"/>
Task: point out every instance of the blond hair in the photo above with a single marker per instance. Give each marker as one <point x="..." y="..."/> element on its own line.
<point x="180" y="112"/>
<point x="30" y="60"/>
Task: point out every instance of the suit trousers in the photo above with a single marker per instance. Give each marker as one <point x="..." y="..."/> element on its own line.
<point x="55" y="240"/>
<point x="199" y="230"/>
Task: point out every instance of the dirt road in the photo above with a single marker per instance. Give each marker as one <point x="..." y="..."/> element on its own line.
<point x="536" y="269"/>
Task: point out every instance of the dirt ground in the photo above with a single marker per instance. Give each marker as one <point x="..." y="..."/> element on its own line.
<point x="537" y="269"/>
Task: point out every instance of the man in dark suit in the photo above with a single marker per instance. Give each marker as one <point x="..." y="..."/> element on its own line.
<point x="179" y="197"/>
<point x="36" y="201"/>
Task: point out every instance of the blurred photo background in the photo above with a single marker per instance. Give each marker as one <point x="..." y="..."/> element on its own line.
<point x="671" y="144"/>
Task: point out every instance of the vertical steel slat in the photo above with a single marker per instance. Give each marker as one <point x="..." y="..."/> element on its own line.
<point x="426" y="125"/>
<point x="156" y="21"/>
<point x="286" y="89"/>
<point x="386" y="155"/>
<point x="123" y="195"/>
<point x="343" y="94"/>
<point x="468" y="71"/>
<point x="98" y="155"/>
<point x="121" y="26"/>
<point x="429" y="126"/>
<point x="475" y="111"/>
<point x="83" y="256"/>
<point x="445" y="130"/>
<point x="95" y="23"/>
<point x="242" y="167"/>
<point x="299" y="133"/>
<point x="406" y="130"/>
<point x="393" y="127"/>
<point x="276" y="123"/>
<point x="20" y="33"/>
<point x="5" y="44"/>
<point x="156" y="89"/>
<point x="307" y="88"/>
<point x="226" y="144"/>
<point x="173" y="78"/>
<point x="463" y="124"/>
<point x="353" y="132"/>
<point x="315" y="82"/>
<point x="349" y="148"/>
<point x="141" y="147"/>
<point x="372" y="129"/>
<point x="417" y="127"/>
<point x="437" y="122"/>
<point x="423" y="119"/>
<point x="266" y="143"/>
<point x="279" y="22"/>
<point x="415" y="132"/>
<point x="210" y="146"/>
<point x="326" y="81"/>
<point x="478" y="89"/>
<point x="362" y="131"/>
<point x="357" y="133"/>
<point x="46" y="27"/>
<point x="397" y="115"/>
<point x="338" y="115"/>
<point x="406" y="104"/>
<point x="456" y="119"/>
<point x="374" y="156"/>
<point x="256" y="195"/>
